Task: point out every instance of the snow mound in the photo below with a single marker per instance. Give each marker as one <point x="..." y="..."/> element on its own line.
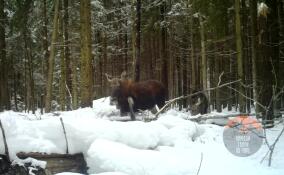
<point x="170" y="145"/>
<point x="105" y="155"/>
<point x="107" y="173"/>
<point x="47" y="136"/>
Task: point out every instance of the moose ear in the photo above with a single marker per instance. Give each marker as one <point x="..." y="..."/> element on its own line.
<point x="123" y="75"/>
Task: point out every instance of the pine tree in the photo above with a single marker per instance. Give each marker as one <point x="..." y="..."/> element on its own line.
<point x="86" y="86"/>
<point x="51" y="58"/>
<point x="239" y="56"/>
<point x="4" y="93"/>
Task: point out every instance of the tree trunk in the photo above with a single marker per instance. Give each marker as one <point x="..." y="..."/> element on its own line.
<point x="272" y="46"/>
<point x="74" y="84"/>
<point x="253" y="17"/>
<point x="29" y="78"/>
<point x="185" y="79"/>
<point x="133" y="39"/>
<point x="265" y="74"/>
<point x="68" y="63"/>
<point x="164" y="56"/>
<point x="4" y="92"/>
<point x="242" y="102"/>
<point x="86" y="54"/>
<point x="104" y="61"/>
<point x="15" y="82"/>
<point x="48" y="97"/>
<point x="100" y="73"/>
<point x="126" y="47"/>
<point x="45" y="53"/>
<point x="138" y="43"/>
<point x="245" y="53"/>
<point x="216" y="77"/>
<point x="203" y="54"/>
<point x="281" y="47"/>
<point x="192" y="56"/>
<point x="30" y="94"/>
<point x="62" y="81"/>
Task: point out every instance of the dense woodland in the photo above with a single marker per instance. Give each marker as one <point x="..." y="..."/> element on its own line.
<point x="54" y="54"/>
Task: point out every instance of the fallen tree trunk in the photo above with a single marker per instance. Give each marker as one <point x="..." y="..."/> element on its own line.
<point x="210" y="116"/>
<point x="57" y="163"/>
<point x="196" y="118"/>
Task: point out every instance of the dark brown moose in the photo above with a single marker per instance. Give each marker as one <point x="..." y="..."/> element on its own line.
<point x="199" y="103"/>
<point x="132" y="96"/>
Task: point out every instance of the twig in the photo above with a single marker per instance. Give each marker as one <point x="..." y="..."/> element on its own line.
<point x="5" y="141"/>
<point x="201" y="159"/>
<point x="220" y="78"/>
<point x="273" y="146"/>
<point x="67" y="150"/>
<point x="248" y="97"/>
<point x="264" y="156"/>
<point x="273" y="99"/>
<point x="70" y="95"/>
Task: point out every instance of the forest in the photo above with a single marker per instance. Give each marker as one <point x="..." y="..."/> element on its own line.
<point x="54" y="54"/>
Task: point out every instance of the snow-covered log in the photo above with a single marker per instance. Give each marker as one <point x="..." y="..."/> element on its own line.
<point x="57" y="163"/>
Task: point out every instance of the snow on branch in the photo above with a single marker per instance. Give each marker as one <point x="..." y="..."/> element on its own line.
<point x="262" y="9"/>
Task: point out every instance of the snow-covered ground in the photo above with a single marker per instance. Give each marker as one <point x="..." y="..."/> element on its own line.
<point x="170" y="145"/>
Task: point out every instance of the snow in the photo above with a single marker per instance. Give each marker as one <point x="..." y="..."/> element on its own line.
<point x="107" y="173"/>
<point x="262" y="9"/>
<point x="170" y="145"/>
<point x="33" y="162"/>
<point x="108" y="155"/>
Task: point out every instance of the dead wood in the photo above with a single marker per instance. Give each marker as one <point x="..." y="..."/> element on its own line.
<point x="57" y="163"/>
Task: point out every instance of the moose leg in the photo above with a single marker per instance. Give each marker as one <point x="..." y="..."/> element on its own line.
<point x="131" y="103"/>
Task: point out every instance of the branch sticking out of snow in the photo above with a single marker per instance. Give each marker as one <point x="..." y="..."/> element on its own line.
<point x="64" y="130"/>
<point x="4" y="141"/>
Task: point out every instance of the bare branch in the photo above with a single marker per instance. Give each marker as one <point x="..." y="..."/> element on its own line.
<point x="190" y="95"/>
<point x="271" y="147"/>
<point x="248" y="97"/>
<point x="220" y="78"/>
<point x="70" y="95"/>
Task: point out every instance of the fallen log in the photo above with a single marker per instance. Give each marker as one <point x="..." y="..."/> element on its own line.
<point x="58" y="163"/>
<point x="210" y="116"/>
<point x="196" y="118"/>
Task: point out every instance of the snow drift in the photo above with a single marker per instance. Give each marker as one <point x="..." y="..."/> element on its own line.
<point x="170" y="145"/>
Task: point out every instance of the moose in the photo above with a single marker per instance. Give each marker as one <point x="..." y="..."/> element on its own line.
<point x="198" y="103"/>
<point x="129" y="96"/>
